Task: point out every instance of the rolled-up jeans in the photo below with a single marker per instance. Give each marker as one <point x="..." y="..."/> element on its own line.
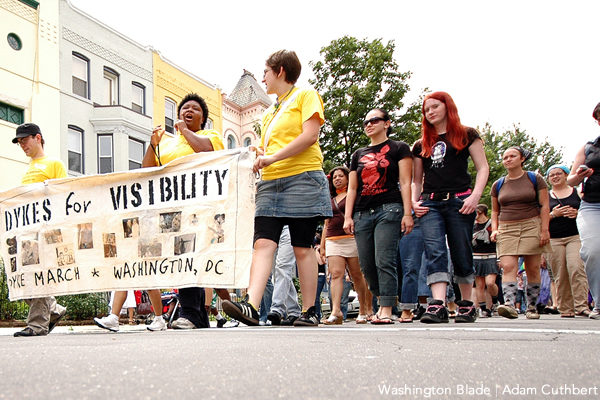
<point x="377" y="231"/>
<point x="588" y="225"/>
<point x="443" y="219"/>
<point x="285" y="299"/>
<point x="411" y="254"/>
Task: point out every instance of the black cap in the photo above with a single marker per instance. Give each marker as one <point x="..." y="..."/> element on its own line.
<point x="27" y="129"/>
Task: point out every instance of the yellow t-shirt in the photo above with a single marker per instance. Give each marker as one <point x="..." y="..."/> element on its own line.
<point x="287" y="128"/>
<point x="171" y="148"/>
<point x="42" y="169"/>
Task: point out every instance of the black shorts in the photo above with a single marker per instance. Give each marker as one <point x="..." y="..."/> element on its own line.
<point x="302" y="230"/>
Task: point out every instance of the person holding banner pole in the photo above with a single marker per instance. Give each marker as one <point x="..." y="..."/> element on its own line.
<point x="190" y="138"/>
<point x="44" y="312"/>
<point x="293" y="190"/>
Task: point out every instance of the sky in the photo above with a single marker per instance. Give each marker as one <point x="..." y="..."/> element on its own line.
<point x="532" y="63"/>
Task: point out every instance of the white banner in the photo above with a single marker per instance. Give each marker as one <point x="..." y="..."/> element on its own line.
<point x="189" y="223"/>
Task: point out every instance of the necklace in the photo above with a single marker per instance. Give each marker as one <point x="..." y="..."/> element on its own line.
<point x="279" y="101"/>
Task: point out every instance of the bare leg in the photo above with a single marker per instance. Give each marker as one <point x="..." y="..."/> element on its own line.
<point x="365" y="298"/>
<point x="262" y="263"/>
<point x="337" y="267"/>
<point x="308" y="274"/>
<point x="156" y="301"/>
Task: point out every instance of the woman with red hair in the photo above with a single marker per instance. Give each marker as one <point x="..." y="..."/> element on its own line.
<point x="445" y="203"/>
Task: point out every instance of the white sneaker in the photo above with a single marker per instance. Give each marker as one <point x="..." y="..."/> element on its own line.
<point x="110" y="322"/>
<point x="158" y="324"/>
<point x="183" y="323"/>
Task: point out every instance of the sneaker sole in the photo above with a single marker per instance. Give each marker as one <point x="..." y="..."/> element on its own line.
<point x="105" y="327"/>
<point x="304" y="324"/>
<point x="432" y="319"/>
<point x="157" y="330"/>
<point x="234" y="312"/>
<point x="275" y="320"/>
<point x="464" y="320"/>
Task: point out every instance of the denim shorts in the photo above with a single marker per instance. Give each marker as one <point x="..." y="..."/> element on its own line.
<point x="298" y="196"/>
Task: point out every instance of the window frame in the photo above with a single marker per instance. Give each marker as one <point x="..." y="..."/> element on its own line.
<point x="143" y="105"/>
<point x="129" y="160"/>
<point x="81" y="154"/>
<point x="172" y="127"/>
<point x="112" y="153"/>
<point x="14" y="110"/>
<point x="112" y="76"/>
<point x="86" y="60"/>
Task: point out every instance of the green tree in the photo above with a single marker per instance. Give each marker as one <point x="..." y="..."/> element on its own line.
<point x="354" y="76"/>
<point x="544" y="154"/>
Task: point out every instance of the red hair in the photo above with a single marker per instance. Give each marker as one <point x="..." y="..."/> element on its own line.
<point x="456" y="133"/>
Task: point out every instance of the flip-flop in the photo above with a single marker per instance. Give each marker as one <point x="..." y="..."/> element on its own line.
<point x="382" y="321"/>
<point x="567" y="315"/>
<point x="406" y="320"/>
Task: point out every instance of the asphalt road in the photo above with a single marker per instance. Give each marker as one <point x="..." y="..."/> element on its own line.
<point x="491" y="359"/>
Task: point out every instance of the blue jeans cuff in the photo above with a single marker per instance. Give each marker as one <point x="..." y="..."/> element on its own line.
<point x="388" y="301"/>
<point x="464" y="279"/>
<point x="407" y="306"/>
<point x="438" y="277"/>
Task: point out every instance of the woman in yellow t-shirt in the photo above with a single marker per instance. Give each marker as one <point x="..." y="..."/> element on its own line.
<point x="293" y="190"/>
<point x="190" y="138"/>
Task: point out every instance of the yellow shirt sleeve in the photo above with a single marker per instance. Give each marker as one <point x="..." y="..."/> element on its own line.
<point x="172" y="148"/>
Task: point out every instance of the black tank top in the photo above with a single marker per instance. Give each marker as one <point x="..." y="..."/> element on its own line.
<point x="591" y="187"/>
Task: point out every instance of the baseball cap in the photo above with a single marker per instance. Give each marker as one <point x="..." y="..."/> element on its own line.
<point x="27" y="129"/>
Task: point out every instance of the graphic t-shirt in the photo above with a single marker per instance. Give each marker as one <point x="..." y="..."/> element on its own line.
<point x="446" y="170"/>
<point x="171" y="148"/>
<point x="42" y="169"/>
<point x="287" y="128"/>
<point x="377" y="172"/>
<point x="481" y="238"/>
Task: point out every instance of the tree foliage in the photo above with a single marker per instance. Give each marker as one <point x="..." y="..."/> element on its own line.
<point x="544" y="154"/>
<point x="354" y="76"/>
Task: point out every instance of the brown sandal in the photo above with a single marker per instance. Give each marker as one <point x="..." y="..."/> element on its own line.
<point x="334" y="320"/>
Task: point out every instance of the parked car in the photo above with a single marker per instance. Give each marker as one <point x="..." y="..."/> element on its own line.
<point x="353" y="304"/>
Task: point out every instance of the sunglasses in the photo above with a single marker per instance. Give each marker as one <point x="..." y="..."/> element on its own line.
<point x="372" y="121"/>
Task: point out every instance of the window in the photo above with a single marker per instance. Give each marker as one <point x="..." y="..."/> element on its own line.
<point x="138" y="97"/>
<point x="231" y="142"/>
<point x="136" y="153"/>
<point x="209" y="124"/>
<point x="11" y="114"/>
<point x="170" y="115"/>
<point x="105" y="154"/>
<point x="247" y="142"/>
<point x="81" y="67"/>
<point x="111" y="87"/>
<point x="75" y="149"/>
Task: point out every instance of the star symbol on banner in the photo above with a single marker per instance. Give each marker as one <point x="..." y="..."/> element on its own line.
<point x="95" y="272"/>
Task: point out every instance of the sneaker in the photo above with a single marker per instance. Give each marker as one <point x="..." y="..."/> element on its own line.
<point x="159" y="324"/>
<point x="532" y="313"/>
<point x="275" y="318"/>
<point x="242" y="311"/>
<point x="221" y="322"/>
<point x="308" y="318"/>
<point x="485" y="313"/>
<point x="507" y="311"/>
<point x="435" y="313"/>
<point x="495" y="309"/>
<point x="233" y="323"/>
<point x="466" y="312"/>
<point x="27" y="332"/>
<point x="56" y="317"/>
<point x="289" y="320"/>
<point x="418" y="312"/>
<point x="595" y="314"/>
<point x="110" y="322"/>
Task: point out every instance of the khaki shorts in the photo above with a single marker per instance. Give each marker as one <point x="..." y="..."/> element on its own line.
<point x="521" y="238"/>
<point x="345" y="247"/>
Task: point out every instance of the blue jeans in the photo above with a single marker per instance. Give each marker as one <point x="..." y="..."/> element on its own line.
<point x="443" y="219"/>
<point x="411" y="255"/>
<point x="377" y="231"/>
<point x="321" y="281"/>
<point x="285" y="298"/>
<point x="265" y="302"/>
<point x="588" y="224"/>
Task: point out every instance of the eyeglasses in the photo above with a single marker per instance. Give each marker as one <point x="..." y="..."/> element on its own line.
<point x="265" y="71"/>
<point x="372" y="121"/>
<point x="22" y="140"/>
